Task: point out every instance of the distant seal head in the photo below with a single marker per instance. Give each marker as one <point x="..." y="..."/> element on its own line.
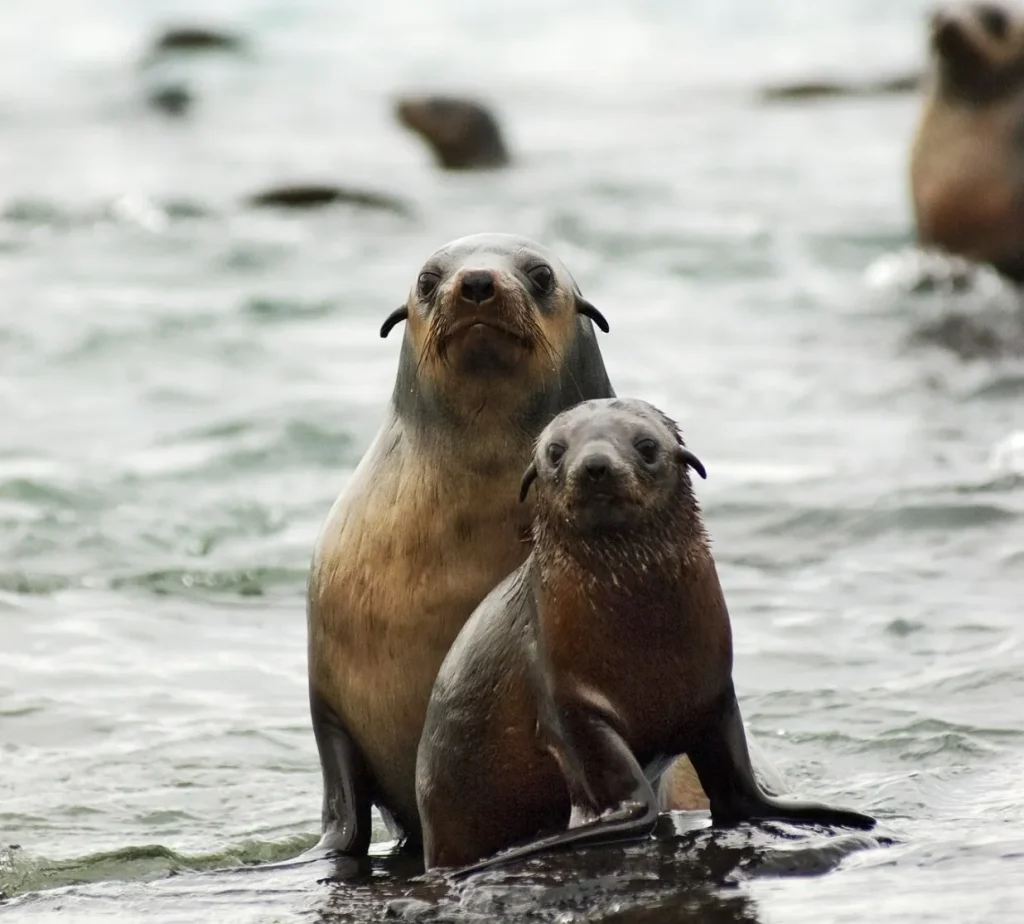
<point x="463" y="134"/>
<point x="967" y="158"/>
<point x="497" y="340"/>
<point x="607" y="654"/>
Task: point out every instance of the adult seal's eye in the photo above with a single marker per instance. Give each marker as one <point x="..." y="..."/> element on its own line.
<point x="426" y="284"/>
<point x="555" y="453"/>
<point x="542" y="277"/>
<point x="648" y="450"/>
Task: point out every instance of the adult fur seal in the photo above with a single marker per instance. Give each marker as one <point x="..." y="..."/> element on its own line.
<point x="498" y="341"/>
<point x="967" y="159"/>
<point x="606" y="654"/>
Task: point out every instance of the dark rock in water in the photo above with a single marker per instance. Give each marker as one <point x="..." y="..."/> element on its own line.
<point x="821" y="89"/>
<point x="975" y="335"/>
<point x="195" y="38"/>
<point x="463" y="134"/>
<point x="172" y="100"/>
<point x="687" y="872"/>
<point x="313" y="195"/>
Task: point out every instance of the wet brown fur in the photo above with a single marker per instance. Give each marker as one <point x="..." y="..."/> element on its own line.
<point x="633" y="627"/>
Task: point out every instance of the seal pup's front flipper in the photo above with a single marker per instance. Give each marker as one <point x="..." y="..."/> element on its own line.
<point x="586" y="740"/>
<point x="347" y="783"/>
<point x="719" y="755"/>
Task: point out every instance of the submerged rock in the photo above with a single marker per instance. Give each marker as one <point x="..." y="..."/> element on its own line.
<point x="463" y="134"/>
<point x="195" y="38"/>
<point x="318" y="195"/>
<point x="824" y="89"/>
<point x="173" y="100"/>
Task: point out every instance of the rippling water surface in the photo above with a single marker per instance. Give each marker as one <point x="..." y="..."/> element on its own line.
<point x="187" y="384"/>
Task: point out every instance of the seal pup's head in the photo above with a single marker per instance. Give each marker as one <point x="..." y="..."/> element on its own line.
<point x="463" y="134"/>
<point x="977" y="51"/>
<point x="496" y="325"/>
<point x="611" y="473"/>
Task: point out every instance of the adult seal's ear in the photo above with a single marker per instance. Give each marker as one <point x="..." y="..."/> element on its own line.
<point x="690" y="459"/>
<point x="584" y="307"/>
<point x="529" y="478"/>
<point x="396" y="317"/>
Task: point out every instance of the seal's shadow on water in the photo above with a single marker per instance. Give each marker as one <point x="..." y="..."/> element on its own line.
<point x="688" y="871"/>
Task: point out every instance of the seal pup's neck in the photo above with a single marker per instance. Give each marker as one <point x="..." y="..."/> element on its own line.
<point x="649" y="560"/>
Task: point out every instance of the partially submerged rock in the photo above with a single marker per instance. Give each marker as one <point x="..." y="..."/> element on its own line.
<point x="462" y="133"/>
<point x="298" y="196"/>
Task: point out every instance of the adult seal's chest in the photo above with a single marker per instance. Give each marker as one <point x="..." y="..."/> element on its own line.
<point x="402" y="562"/>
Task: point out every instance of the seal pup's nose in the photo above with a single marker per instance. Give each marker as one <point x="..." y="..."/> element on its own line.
<point x="596" y="466"/>
<point x="477" y="286"/>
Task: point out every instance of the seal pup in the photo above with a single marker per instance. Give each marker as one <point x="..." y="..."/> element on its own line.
<point x="967" y="157"/>
<point x="498" y="340"/>
<point x="604" y="656"/>
<point x="463" y="134"/>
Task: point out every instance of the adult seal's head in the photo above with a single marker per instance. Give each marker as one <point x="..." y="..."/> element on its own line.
<point x="494" y="321"/>
<point x="967" y="159"/>
<point x="463" y="134"/>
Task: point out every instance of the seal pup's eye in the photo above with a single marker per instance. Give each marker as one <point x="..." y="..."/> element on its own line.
<point x="542" y="278"/>
<point x="555" y="453"/>
<point x="426" y="284"/>
<point x="648" y="450"/>
<point x="994" y="20"/>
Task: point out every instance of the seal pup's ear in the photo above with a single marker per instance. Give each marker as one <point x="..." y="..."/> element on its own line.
<point x="585" y="308"/>
<point x="396" y="317"/>
<point x="529" y="478"/>
<point x="688" y="458"/>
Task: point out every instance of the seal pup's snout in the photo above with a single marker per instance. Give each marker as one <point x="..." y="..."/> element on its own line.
<point x="477" y="286"/>
<point x="597" y="474"/>
<point x="596" y="466"/>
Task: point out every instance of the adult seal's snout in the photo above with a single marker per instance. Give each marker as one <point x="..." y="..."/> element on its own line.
<point x="477" y="286"/>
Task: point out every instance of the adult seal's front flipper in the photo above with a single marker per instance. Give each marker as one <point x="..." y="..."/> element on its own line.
<point x="346" y="826"/>
<point x="719" y="755"/>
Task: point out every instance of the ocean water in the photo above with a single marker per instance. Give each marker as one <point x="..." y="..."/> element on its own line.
<point x="186" y="384"/>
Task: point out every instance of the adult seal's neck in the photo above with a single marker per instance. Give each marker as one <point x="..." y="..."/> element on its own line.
<point x="515" y="410"/>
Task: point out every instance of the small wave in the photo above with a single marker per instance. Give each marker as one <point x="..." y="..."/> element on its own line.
<point x="150" y="214"/>
<point x="1008" y="455"/>
<point x="19" y="582"/>
<point x="238" y="446"/>
<point x="20" y="873"/>
<point x="867" y="523"/>
<point x="246" y="582"/>
<point x="268" y="310"/>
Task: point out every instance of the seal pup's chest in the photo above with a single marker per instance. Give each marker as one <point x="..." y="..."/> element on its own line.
<point x="652" y="662"/>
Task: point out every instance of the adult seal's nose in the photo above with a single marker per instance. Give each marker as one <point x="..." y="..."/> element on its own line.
<point x="477" y="286"/>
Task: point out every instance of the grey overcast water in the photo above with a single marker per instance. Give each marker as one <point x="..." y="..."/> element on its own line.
<point x="186" y="385"/>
